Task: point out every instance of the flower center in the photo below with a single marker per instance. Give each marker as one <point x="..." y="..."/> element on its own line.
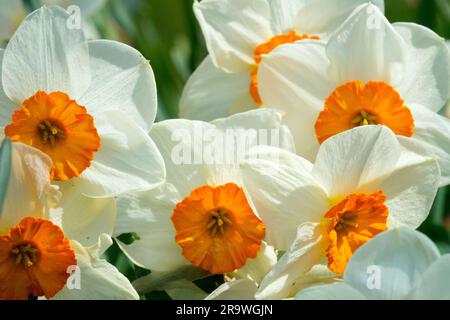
<point x="353" y="222"/>
<point x="346" y="222"/>
<point x="50" y="132"/>
<point x="34" y="257"/>
<point x="266" y="48"/>
<point x="25" y="254"/>
<point x="218" y="221"/>
<point x="364" y="118"/>
<point x="354" y="104"/>
<point x="58" y="127"/>
<point x="217" y="229"/>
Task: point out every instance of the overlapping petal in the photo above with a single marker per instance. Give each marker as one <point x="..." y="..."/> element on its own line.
<point x="231" y="43"/>
<point x="29" y="190"/>
<point x="44" y="54"/>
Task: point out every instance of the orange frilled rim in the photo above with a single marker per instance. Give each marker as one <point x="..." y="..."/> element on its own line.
<point x="217" y="229"/>
<point x="34" y="258"/>
<point x="354" y="221"/>
<point x="266" y="48"/>
<point x="354" y="104"/>
<point x="58" y="127"/>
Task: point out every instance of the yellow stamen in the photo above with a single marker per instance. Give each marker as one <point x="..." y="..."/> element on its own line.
<point x="50" y="132"/>
<point x="25" y="254"/>
<point x="218" y="220"/>
<point x="364" y="118"/>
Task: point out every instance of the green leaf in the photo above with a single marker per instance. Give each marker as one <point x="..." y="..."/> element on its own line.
<point x="5" y="169"/>
<point x="438" y="209"/>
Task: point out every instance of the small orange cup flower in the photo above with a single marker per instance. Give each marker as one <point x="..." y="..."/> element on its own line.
<point x="354" y="221"/>
<point x="59" y="127"/>
<point x="34" y="257"/>
<point x="217" y="229"/>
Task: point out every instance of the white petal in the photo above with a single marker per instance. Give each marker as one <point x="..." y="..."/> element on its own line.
<point x="427" y="77"/>
<point x="435" y="283"/>
<point x="183" y="290"/>
<point x="242" y="289"/>
<point x="123" y="80"/>
<point x="293" y="79"/>
<point x="44" y="54"/>
<point x="257" y="268"/>
<point x="28" y="186"/>
<point x="337" y="291"/>
<point x="305" y="252"/>
<point x="323" y="17"/>
<point x="319" y="274"/>
<point x="7" y="107"/>
<point x="269" y="126"/>
<point x="211" y="93"/>
<point x="148" y="215"/>
<point x="432" y="131"/>
<point x="127" y="160"/>
<point x="397" y="258"/>
<point x="84" y="219"/>
<point x="233" y="29"/>
<point x="366" y="48"/>
<point x="198" y="153"/>
<point x="284" y="193"/>
<point x="180" y="142"/>
<point x="412" y="186"/>
<point x="11" y="15"/>
<point x="100" y="280"/>
<point x="356" y="160"/>
<point x="284" y="13"/>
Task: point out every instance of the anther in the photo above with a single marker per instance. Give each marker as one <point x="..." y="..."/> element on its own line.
<point x="50" y="132"/>
<point x="218" y="221"/>
<point x="25" y="254"/>
<point x="364" y="118"/>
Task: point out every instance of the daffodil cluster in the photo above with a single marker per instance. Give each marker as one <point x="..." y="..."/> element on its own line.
<point x="308" y="150"/>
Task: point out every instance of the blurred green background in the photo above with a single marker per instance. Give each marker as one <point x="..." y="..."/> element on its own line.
<point x="167" y="33"/>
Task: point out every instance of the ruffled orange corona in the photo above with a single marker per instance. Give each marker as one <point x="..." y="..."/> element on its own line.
<point x="354" y="104"/>
<point x="266" y="48"/>
<point x="34" y="257"/>
<point x="353" y="222"/>
<point x="58" y="127"/>
<point x="217" y="229"/>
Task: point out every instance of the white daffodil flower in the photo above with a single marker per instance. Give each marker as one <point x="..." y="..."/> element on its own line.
<point x="398" y="264"/>
<point x="238" y="34"/>
<point x="201" y="216"/>
<point x="88" y="106"/>
<point x="37" y="258"/>
<point x="370" y="72"/>
<point x="14" y="12"/>
<point x="362" y="183"/>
